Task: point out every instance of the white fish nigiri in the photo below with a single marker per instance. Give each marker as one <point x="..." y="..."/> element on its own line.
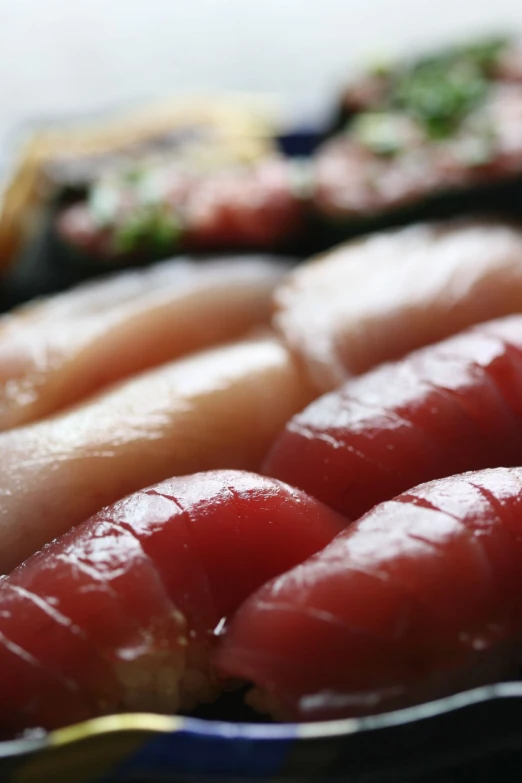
<point x="221" y="408"/>
<point x="377" y="298"/>
<point x="59" y="350"/>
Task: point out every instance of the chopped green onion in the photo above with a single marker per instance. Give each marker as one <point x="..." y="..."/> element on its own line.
<point x="153" y="228"/>
<point x="486" y="53"/>
<point x="438" y="91"/>
<point x="440" y="95"/>
<point x="380" y="132"/>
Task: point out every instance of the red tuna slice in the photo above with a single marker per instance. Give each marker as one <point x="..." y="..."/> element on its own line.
<point x="57" y="645"/>
<point x="447" y="408"/>
<point x="146" y="581"/>
<point x="421" y="597"/>
<point x="32" y="696"/>
<point x="98" y="577"/>
<point x="215" y="537"/>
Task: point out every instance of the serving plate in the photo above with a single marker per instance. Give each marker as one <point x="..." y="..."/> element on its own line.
<point x="473" y="736"/>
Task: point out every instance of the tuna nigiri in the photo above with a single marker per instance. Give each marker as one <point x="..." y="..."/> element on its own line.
<point x="447" y="408"/>
<point x="62" y="349"/>
<point x="218" y="409"/>
<point x="419" y="598"/>
<point x="119" y="613"/>
<point x="375" y="299"/>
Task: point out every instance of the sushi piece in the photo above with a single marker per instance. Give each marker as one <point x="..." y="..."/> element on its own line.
<point x="153" y="211"/>
<point x="496" y="57"/>
<point x="447" y="408"/>
<point x="221" y="408"/>
<point x="435" y="136"/>
<point x="61" y="161"/>
<point x="205" y="132"/>
<point x="419" y="598"/>
<point x="59" y="350"/>
<point x="123" y="609"/>
<point x="376" y="299"/>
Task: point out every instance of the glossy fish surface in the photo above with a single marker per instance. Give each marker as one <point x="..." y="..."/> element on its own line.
<point x="221" y="408"/>
<point x="57" y="351"/>
<point x="376" y="299"/>
<point x="419" y="598"/>
<point x="447" y="408"/>
<point x="119" y="614"/>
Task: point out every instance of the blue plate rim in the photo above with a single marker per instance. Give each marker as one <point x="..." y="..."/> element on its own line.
<point x="228" y="731"/>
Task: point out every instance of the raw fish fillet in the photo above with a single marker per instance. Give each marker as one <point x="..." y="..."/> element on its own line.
<point x="376" y="299"/>
<point x="59" y="350"/>
<point x="419" y="598"/>
<point x="120" y="613"/>
<point x="444" y="409"/>
<point x="218" y="409"/>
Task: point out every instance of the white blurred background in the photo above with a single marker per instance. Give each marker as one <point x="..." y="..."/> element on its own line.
<point x="60" y="56"/>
